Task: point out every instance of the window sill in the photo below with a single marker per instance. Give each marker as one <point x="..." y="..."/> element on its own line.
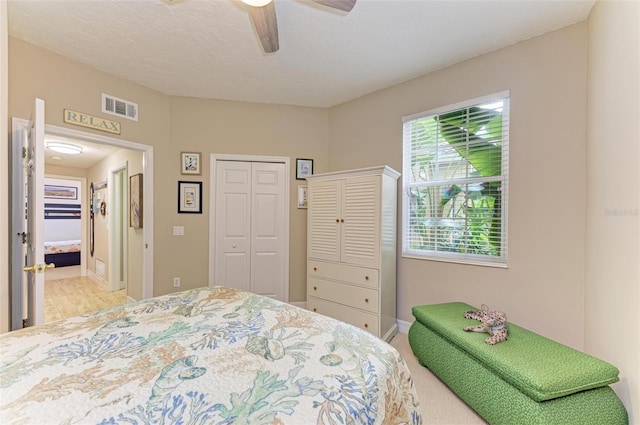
<point x="456" y="261"/>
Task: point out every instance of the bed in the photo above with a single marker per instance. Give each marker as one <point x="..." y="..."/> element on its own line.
<point x="62" y="228"/>
<point x="62" y="253"/>
<point x="210" y="355"/>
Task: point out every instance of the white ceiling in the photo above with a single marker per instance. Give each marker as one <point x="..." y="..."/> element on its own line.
<point x="209" y="49"/>
<point x="92" y="153"/>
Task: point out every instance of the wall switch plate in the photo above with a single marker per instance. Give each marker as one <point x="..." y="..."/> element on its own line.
<point x="176" y="282"/>
<point x="178" y="230"/>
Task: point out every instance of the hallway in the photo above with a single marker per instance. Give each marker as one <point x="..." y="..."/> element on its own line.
<point x="68" y="294"/>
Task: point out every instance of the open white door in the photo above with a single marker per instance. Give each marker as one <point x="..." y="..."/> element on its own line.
<point x="32" y="235"/>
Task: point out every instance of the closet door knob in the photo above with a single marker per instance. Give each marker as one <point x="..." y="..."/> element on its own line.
<point x="366" y="300"/>
<point x="342" y="220"/>
<point x="337" y="220"/>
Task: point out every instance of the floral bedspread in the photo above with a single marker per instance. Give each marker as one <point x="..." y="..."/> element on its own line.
<point x="58" y="247"/>
<point x="205" y="356"/>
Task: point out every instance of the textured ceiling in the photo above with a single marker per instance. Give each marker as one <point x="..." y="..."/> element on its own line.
<point x="209" y="49"/>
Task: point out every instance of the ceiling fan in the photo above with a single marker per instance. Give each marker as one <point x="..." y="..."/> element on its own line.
<point x="263" y="15"/>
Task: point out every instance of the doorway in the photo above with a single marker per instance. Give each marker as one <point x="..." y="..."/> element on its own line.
<point x="249" y="224"/>
<point x="145" y="289"/>
<point x="118" y="236"/>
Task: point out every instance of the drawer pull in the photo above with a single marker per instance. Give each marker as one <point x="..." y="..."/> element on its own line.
<point x="366" y="278"/>
<point x="315" y="309"/>
<point x="315" y="288"/>
<point x="366" y="300"/>
<point x="366" y="325"/>
<point x="315" y="269"/>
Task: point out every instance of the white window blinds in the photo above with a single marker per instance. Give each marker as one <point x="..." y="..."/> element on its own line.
<point x="455" y="163"/>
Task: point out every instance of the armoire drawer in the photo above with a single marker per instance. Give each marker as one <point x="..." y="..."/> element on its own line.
<point x="343" y="272"/>
<point x="361" y="319"/>
<point x="354" y="296"/>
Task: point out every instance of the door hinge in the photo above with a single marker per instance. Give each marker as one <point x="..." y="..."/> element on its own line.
<point x="25" y="323"/>
<point x="24" y="237"/>
<point x="24" y="153"/>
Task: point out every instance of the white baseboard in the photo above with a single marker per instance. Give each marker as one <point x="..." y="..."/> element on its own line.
<point x="97" y="279"/>
<point x="403" y="327"/>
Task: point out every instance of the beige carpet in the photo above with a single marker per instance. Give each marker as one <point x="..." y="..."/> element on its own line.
<point x="439" y="404"/>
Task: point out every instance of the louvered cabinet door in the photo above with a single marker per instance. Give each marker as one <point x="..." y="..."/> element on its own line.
<point x="351" y="264"/>
<point x="360" y="221"/>
<point x="324" y="220"/>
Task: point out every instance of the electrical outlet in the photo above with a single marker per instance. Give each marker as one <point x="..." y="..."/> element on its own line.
<point x="176" y="282"/>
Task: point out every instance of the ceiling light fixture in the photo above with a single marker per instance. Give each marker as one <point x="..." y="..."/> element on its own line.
<point x="256" y="3"/>
<point x="64" y="148"/>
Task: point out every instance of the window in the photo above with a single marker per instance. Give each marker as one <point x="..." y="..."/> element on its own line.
<point x="455" y="169"/>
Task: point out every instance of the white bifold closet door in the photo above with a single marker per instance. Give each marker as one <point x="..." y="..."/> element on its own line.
<point x="250" y="227"/>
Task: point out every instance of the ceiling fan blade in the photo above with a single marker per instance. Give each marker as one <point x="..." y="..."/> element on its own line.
<point x="264" y="20"/>
<point x="345" y="5"/>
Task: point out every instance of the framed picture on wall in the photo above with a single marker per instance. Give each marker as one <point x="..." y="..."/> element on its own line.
<point x="190" y="163"/>
<point x="60" y="192"/>
<point x="302" y="197"/>
<point x="304" y="168"/>
<point x="189" y="197"/>
<point x="135" y="201"/>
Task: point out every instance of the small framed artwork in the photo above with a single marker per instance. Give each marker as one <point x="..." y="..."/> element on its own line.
<point x="190" y="163"/>
<point x="60" y="192"/>
<point x="304" y="168"/>
<point x="302" y="197"/>
<point x="100" y="185"/>
<point x="189" y="197"/>
<point x="135" y="201"/>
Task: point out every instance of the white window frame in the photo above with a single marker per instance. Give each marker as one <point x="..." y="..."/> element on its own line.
<point x="474" y="259"/>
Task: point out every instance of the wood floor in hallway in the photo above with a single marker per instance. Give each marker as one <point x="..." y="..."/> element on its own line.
<point x="67" y="294"/>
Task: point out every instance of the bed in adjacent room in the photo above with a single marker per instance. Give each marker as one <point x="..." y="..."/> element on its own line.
<point x="210" y="355"/>
<point x="62" y="253"/>
<point x="62" y="232"/>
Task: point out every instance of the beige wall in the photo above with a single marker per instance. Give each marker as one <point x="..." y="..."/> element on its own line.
<point x="543" y="287"/>
<point x="172" y="125"/>
<point x="100" y="172"/>
<point x="612" y="292"/>
<point x="58" y="170"/>
<point x="65" y="84"/>
<point x="223" y="127"/>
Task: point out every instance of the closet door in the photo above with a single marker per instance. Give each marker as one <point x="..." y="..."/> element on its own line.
<point x="233" y="225"/>
<point x="267" y="229"/>
<point x="250" y="227"/>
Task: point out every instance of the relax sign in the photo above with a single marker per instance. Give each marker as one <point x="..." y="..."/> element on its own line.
<point x="84" y="120"/>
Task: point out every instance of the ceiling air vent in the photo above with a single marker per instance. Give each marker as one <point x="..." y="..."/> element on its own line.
<point x="120" y="107"/>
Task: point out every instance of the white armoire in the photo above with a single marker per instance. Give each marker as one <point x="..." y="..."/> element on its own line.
<point x="351" y="247"/>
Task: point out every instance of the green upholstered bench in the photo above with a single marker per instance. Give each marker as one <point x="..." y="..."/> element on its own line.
<point x="528" y="379"/>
